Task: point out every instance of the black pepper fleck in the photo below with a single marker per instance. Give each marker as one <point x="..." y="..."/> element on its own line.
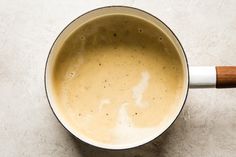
<point x="82" y="37"/>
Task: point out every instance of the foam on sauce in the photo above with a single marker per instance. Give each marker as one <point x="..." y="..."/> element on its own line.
<point x="139" y="89"/>
<point x="117" y="79"/>
<point x="125" y="129"/>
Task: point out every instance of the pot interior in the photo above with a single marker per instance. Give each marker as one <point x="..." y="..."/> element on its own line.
<point x="97" y="19"/>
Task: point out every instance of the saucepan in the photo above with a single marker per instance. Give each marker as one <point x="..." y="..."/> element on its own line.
<point x="195" y="77"/>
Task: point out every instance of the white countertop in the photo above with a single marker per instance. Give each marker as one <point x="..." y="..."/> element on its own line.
<point x="206" y="126"/>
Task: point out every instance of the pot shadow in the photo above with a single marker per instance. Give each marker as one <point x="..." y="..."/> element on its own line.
<point x="150" y="149"/>
<point x="158" y="147"/>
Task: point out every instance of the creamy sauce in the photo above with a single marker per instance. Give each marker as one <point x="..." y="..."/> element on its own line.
<point x="117" y="79"/>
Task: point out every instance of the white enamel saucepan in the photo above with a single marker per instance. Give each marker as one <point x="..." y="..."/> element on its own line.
<point x="194" y="77"/>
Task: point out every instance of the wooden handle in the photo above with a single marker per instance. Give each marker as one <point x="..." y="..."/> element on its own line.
<point x="225" y="76"/>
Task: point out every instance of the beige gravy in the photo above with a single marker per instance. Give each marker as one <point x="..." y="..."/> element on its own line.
<point x="117" y="79"/>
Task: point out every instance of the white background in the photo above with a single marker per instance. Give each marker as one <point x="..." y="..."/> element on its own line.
<point x="206" y="126"/>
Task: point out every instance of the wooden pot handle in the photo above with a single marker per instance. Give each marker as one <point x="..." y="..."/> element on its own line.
<point x="225" y="76"/>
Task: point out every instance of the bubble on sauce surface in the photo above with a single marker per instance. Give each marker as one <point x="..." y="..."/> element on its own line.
<point x="160" y="38"/>
<point x="82" y="37"/>
<point x="140" y="30"/>
<point x="70" y="75"/>
<point x="114" y="35"/>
